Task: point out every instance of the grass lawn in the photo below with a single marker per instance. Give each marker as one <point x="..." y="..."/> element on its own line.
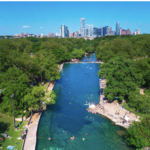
<point x="7" y="126"/>
<point x="134" y="110"/>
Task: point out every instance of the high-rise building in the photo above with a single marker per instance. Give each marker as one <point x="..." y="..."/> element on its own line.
<point x="82" y="27"/>
<point x="124" y="32"/>
<point x="99" y="31"/>
<point x="105" y="30"/>
<point x="102" y="31"/>
<point x="90" y="30"/>
<point x="128" y="32"/>
<point x="95" y="31"/>
<point x="65" y="32"/>
<point x="62" y="30"/>
<point x="68" y="33"/>
<point x="109" y="31"/>
<point x="86" y="32"/>
<point x="117" y="28"/>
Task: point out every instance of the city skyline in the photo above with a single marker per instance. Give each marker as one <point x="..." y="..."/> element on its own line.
<point x="45" y="17"/>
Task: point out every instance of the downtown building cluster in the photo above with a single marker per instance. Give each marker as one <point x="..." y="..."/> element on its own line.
<point x="89" y="32"/>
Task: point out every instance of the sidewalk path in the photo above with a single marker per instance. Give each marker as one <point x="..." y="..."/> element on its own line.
<point x="30" y="143"/>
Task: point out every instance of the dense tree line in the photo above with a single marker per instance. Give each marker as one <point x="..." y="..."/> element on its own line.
<point x="126" y="68"/>
<point x="33" y="60"/>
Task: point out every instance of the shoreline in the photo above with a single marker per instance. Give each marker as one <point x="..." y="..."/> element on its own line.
<point x="104" y="108"/>
<point x="31" y="138"/>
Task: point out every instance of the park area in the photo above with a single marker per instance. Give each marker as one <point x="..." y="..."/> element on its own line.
<point x="14" y="136"/>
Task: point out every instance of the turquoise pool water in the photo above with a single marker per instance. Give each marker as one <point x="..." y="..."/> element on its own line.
<point x="79" y="83"/>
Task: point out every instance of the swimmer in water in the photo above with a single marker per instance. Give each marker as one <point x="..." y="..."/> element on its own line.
<point x="69" y="102"/>
<point x="86" y="134"/>
<point x="72" y="138"/>
<point x="49" y="138"/>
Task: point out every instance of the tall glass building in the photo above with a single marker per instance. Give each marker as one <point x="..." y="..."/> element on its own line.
<point x="117" y="28"/>
<point x="82" y="27"/>
<point x="90" y="30"/>
<point x="62" y="30"/>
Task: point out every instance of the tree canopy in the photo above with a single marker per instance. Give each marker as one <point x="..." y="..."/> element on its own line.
<point x="138" y="134"/>
<point x="33" y="60"/>
<point x="121" y="77"/>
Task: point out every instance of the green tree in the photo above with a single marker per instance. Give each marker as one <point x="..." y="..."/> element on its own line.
<point x="13" y="81"/>
<point x="121" y="77"/>
<point x="138" y="134"/>
<point x="78" y="53"/>
<point x="139" y="102"/>
<point x="48" y="66"/>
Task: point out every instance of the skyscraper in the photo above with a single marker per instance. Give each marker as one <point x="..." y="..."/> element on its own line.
<point x="117" y="28"/>
<point x="90" y="30"/>
<point x="109" y="31"/>
<point x="95" y="32"/>
<point x="102" y="31"/>
<point x="82" y="27"/>
<point x="99" y="31"/>
<point x="86" y="32"/>
<point x="105" y="30"/>
<point x="62" y="30"/>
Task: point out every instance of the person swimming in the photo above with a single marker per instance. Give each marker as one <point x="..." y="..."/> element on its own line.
<point x="72" y="138"/>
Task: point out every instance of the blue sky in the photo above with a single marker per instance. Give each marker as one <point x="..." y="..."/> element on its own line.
<point x="51" y="15"/>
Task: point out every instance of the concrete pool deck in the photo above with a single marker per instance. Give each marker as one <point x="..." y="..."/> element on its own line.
<point x="31" y="138"/>
<point x="30" y="142"/>
<point x="109" y="110"/>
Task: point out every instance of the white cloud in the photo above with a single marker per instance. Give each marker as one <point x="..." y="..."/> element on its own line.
<point x="41" y="27"/>
<point x="140" y="22"/>
<point x="25" y="26"/>
<point x="146" y="24"/>
<point x="127" y="23"/>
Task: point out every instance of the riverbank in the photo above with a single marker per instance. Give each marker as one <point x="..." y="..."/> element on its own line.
<point x="31" y="138"/>
<point x="112" y="110"/>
